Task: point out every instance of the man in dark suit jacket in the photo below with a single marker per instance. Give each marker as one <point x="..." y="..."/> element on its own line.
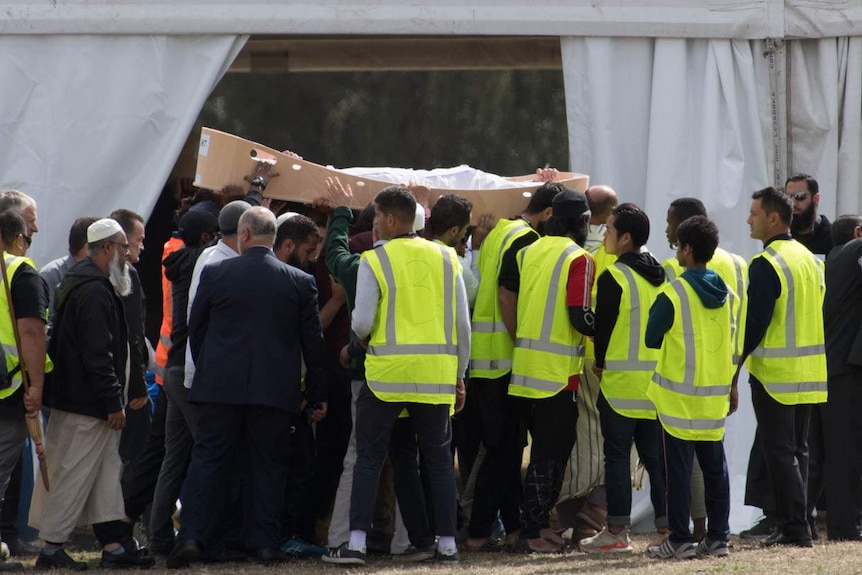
<point x="252" y="319"/>
<point x="842" y="319"/>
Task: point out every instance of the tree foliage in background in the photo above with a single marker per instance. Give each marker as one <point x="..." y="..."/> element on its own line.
<point x="504" y="122"/>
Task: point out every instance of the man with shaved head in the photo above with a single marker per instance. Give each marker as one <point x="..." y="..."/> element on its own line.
<point x="603" y="199"/>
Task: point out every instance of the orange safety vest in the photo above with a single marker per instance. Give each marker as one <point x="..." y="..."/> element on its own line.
<point x="172" y="245"/>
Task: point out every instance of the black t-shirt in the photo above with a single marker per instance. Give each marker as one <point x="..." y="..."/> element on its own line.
<point x="819" y="241"/>
<point x="30" y="299"/>
<point x="510" y="277"/>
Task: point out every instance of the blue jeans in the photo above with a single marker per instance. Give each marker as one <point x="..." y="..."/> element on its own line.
<point x="679" y="455"/>
<point x="620" y="433"/>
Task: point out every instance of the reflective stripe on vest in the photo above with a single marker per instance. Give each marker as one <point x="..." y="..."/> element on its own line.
<point x="795" y="387"/>
<point x="489" y="327"/>
<point x="692" y="424"/>
<point x="549" y="346"/>
<point x="551" y="387"/>
<point x="165" y="340"/>
<point x="403" y="390"/>
<point x="491" y="364"/>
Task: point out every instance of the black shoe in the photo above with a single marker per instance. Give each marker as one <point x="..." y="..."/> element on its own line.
<point x="185" y="551"/>
<point x="770" y="539"/>
<point x="18" y="548"/>
<point x="160" y="550"/>
<point x="268" y="556"/>
<point x="790" y="540"/>
<point x="223" y="556"/>
<point x="7" y="566"/>
<point x="59" y="560"/>
<point x="762" y="528"/>
<point x="126" y="560"/>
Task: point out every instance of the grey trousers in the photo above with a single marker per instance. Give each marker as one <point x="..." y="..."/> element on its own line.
<point x="13" y="432"/>
<point x="180" y="425"/>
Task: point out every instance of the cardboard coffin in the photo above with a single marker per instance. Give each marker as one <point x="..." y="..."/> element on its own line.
<point x="224" y="159"/>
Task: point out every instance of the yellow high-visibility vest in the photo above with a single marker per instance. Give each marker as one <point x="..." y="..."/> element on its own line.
<point x="790" y="361"/>
<point x="548" y="349"/>
<point x="491" y="345"/>
<point x="629" y="363"/>
<point x="7" y="335"/>
<point x="733" y="269"/>
<point x="413" y="349"/>
<point x="602" y="260"/>
<point x="691" y="385"/>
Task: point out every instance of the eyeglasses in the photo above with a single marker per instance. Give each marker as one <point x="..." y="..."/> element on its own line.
<point x="799" y="196"/>
<point x="124" y="246"/>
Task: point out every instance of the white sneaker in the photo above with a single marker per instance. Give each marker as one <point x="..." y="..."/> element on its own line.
<point x="607" y="542"/>
<point x="669" y="550"/>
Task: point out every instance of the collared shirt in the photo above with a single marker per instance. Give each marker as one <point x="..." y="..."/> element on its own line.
<point x="213" y="254"/>
<point x="595" y="237"/>
<point x="53" y="273"/>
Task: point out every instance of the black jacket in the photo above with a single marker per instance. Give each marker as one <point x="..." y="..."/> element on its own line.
<point x="610" y="293"/>
<point x="89" y="345"/>
<point x="134" y="306"/>
<point x="179" y="267"/>
<point x="842" y="308"/>
<point x="252" y="318"/>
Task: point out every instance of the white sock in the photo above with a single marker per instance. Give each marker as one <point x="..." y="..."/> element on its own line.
<point x="446" y="545"/>
<point x="357" y="541"/>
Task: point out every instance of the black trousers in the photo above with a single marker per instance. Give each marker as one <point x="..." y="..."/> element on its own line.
<point x="498" y="481"/>
<point x="375" y="420"/>
<point x="783" y="434"/>
<point x="409" y="489"/>
<point x="141" y="473"/>
<point x="327" y="446"/>
<point x="816" y="460"/>
<point x="843" y="430"/>
<point x="679" y="456"/>
<point x="552" y="423"/>
<point x="467" y="430"/>
<point x="299" y="456"/>
<point x="758" y="487"/>
<point x="260" y="434"/>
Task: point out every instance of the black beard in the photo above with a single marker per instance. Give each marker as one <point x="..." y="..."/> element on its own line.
<point x="803" y="220"/>
<point x="293" y="261"/>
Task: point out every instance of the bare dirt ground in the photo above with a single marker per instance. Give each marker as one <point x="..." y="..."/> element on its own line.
<point x="745" y="557"/>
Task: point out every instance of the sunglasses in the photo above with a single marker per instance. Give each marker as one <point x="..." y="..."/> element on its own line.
<point x="800" y="196"/>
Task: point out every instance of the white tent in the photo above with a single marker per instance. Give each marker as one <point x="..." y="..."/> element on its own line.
<point x="665" y="98"/>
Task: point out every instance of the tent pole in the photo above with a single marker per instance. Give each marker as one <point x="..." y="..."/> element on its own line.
<point x="779" y="107"/>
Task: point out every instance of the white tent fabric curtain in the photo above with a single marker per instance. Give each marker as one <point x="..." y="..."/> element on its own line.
<point x="659" y="119"/>
<point x="89" y="124"/>
<point x="826" y="119"/>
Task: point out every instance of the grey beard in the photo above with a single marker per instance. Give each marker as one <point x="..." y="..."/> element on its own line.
<point x="120" y="278"/>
